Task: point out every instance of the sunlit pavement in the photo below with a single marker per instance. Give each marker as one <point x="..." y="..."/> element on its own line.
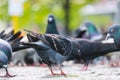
<point x="73" y="73"/>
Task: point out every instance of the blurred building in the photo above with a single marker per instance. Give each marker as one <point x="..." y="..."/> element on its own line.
<point x="109" y="8"/>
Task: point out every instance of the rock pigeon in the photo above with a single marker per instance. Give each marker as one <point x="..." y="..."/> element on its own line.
<point x="8" y="44"/>
<point x="76" y="48"/>
<point x="92" y="31"/>
<point x="47" y="55"/>
<point x="51" y="25"/>
<point x="114" y="33"/>
<point x="5" y="55"/>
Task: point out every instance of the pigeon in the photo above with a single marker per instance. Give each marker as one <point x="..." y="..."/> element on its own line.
<point x="92" y="31"/>
<point x="5" y="55"/>
<point x="51" y="25"/>
<point x="114" y="33"/>
<point x="8" y="44"/>
<point x="76" y="48"/>
<point x="47" y="55"/>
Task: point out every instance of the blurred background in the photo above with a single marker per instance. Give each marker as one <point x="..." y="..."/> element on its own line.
<point x="69" y="14"/>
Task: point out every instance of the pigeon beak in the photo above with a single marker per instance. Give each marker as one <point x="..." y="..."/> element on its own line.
<point x="108" y="36"/>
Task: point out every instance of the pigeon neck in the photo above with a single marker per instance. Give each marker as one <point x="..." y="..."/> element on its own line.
<point x="51" y="28"/>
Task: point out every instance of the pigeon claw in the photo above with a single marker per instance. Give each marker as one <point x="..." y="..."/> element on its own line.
<point x="8" y="75"/>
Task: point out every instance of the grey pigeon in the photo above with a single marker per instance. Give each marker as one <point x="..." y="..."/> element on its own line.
<point x="47" y="55"/>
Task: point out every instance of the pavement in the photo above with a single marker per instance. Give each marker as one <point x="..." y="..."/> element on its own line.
<point x="99" y="72"/>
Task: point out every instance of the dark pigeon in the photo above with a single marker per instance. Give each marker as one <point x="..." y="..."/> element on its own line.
<point x="47" y="55"/>
<point x="74" y="48"/>
<point x="51" y="28"/>
<point x="51" y="25"/>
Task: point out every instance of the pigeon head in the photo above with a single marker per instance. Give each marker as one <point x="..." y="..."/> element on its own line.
<point x="51" y="19"/>
<point x="91" y="28"/>
<point x="114" y="32"/>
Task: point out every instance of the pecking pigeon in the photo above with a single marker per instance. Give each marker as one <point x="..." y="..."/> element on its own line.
<point x="75" y="48"/>
<point x="47" y="55"/>
<point x="51" y="29"/>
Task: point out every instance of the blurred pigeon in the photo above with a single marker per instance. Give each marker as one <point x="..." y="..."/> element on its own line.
<point x="51" y="25"/>
<point x="92" y="31"/>
<point x="8" y="43"/>
<point x="78" y="33"/>
<point x="5" y="55"/>
<point x="51" y="28"/>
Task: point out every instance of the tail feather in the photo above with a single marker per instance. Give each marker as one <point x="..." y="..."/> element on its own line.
<point x="16" y="43"/>
<point x="30" y="32"/>
<point x="16" y="35"/>
<point x="8" y="35"/>
<point x="2" y="33"/>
